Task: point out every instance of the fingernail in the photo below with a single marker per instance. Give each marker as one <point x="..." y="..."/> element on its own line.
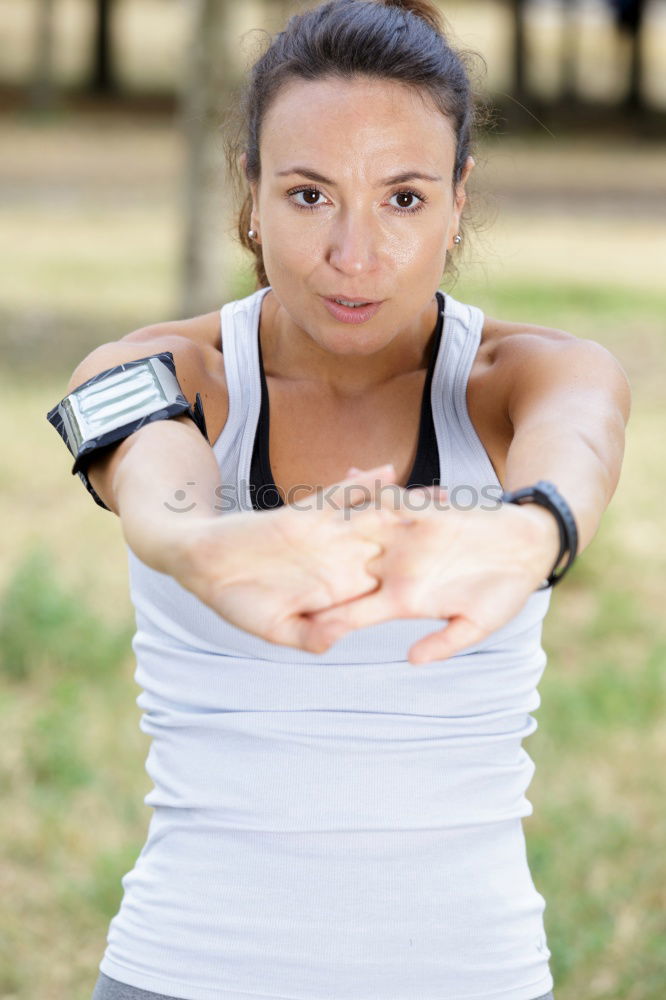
<point x="352" y="470"/>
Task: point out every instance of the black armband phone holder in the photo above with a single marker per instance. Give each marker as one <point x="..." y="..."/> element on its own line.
<point x="117" y="402"/>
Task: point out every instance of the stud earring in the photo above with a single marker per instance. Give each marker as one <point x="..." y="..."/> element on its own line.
<point x="252" y="233"/>
<point x="457" y="239"/>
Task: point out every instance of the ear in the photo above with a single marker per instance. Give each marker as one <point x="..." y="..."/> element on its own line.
<point x="242" y="163"/>
<point x="460" y="199"/>
<point x="461" y="195"/>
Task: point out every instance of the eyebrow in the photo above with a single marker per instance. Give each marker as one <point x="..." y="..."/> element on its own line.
<point x="407" y="175"/>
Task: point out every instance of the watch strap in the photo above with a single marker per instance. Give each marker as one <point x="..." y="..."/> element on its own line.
<point x="547" y="495"/>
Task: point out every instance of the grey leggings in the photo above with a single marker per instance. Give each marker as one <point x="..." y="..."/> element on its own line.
<point x="111" y="989"/>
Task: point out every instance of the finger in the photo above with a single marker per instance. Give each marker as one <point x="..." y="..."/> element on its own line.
<point x="356" y="613"/>
<point x="372" y="524"/>
<point x="315" y="636"/>
<point x="458" y="634"/>
<point x="421" y="501"/>
<point x="413" y="504"/>
<point x="300" y="632"/>
<point x="366" y="551"/>
<point x="353" y="489"/>
<point x="346" y="582"/>
<point x="360" y="486"/>
<point x="369" y="485"/>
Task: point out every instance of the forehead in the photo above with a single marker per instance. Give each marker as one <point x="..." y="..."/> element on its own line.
<point x="367" y="120"/>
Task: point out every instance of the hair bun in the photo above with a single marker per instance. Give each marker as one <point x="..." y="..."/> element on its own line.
<point x="425" y="9"/>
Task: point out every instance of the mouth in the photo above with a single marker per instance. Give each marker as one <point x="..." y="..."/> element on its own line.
<point x="354" y="311"/>
<point x="351" y="303"/>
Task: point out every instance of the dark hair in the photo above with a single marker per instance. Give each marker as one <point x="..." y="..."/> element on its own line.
<point x="389" y="39"/>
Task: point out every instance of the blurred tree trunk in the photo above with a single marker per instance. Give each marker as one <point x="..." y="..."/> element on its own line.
<point x="42" y="88"/>
<point x="634" y="100"/>
<point x="518" y="24"/>
<point x="569" y="50"/>
<point x="632" y="21"/>
<point x="102" y="79"/>
<point x="206" y="282"/>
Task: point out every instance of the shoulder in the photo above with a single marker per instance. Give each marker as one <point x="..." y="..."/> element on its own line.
<point x="199" y="361"/>
<point x="524" y="358"/>
<point x="508" y="343"/>
<point x="502" y="341"/>
<point x="201" y="331"/>
<point x="195" y="344"/>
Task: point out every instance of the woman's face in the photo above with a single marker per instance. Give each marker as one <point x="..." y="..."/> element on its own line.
<point x="355" y="231"/>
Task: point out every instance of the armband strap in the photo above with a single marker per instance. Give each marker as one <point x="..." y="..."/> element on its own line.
<point x="547" y="495"/>
<point x="117" y="402"/>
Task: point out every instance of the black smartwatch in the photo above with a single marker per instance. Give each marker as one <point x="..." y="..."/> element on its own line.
<point x="546" y="495"/>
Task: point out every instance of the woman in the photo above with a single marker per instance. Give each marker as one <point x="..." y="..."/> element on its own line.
<point x="328" y="822"/>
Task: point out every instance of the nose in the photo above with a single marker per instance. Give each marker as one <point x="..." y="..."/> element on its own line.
<point x="352" y="244"/>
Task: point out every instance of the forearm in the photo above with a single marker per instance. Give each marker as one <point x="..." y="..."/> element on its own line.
<point x="569" y="406"/>
<point x="160" y="481"/>
<point x="585" y="475"/>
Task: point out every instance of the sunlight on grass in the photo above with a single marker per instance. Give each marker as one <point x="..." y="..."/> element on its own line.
<point x="72" y="775"/>
<point x="42" y="624"/>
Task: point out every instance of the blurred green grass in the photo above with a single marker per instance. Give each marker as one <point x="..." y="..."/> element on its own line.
<point x="72" y="774"/>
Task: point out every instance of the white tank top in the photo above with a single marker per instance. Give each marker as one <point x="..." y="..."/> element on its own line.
<point x="341" y="826"/>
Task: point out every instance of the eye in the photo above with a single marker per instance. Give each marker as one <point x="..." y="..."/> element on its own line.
<point x="409" y="196"/>
<point x="307" y="192"/>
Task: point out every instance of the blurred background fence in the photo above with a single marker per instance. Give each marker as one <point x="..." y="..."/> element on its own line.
<point x="116" y="212"/>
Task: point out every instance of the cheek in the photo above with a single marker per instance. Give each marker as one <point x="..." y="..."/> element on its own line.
<point x="411" y="246"/>
<point x="295" y="242"/>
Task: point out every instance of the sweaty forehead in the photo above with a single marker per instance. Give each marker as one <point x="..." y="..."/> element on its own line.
<point x="349" y="121"/>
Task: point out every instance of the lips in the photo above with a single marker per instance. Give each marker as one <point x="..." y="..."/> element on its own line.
<point x="344" y="299"/>
<point x="355" y="314"/>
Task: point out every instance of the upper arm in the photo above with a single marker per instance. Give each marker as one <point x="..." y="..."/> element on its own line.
<point x="199" y="369"/>
<point x="575" y="386"/>
<point x="188" y="355"/>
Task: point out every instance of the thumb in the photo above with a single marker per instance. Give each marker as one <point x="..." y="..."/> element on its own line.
<point x="360" y="486"/>
<point x="458" y="634"/>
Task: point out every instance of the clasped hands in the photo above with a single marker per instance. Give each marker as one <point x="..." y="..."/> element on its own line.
<point x="305" y="574"/>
